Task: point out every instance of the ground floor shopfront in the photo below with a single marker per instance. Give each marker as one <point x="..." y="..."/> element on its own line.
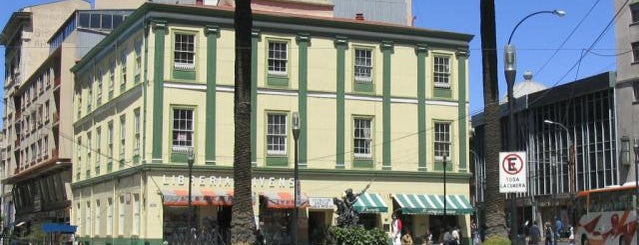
<point x="149" y="203"/>
<point x="39" y="198"/>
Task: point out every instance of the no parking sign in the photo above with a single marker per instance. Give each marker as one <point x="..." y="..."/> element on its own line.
<point x="512" y="172"/>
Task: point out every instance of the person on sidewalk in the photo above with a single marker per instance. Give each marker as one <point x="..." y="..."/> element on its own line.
<point x="407" y="239"/>
<point x="571" y="238"/>
<point x="396" y="227"/>
<point x="534" y="233"/>
<point x="549" y="234"/>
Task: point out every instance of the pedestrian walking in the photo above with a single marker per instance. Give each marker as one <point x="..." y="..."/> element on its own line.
<point x="534" y="233"/>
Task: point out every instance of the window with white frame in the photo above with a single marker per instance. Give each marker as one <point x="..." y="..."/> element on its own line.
<point x="111" y="78"/>
<point x="88" y="221"/>
<point x="98" y="96"/>
<point x="78" y="217"/>
<point x="78" y="150"/>
<point x="41" y="84"/>
<point x="277" y="57"/>
<point x="98" y="140"/>
<point x="136" y="129"/>
<point x="122" y="137"/>
<point x="362" y="137"/>
<point x="89" y="150"/>
<point x="79" y="104"/>
<point x="123" y="67"/>
<point x="441" y="71"/>
<point x="39" y="149"/>
<point x="635" y="52"/>
<point x="45" y="146"/>
<point x="138" y="58"/>
<point x="109" y="221"/>
<point x="49" y="76"/>
<point x="90" y="95"/>
<point x="184" y="51"/>
<point x="121" y="212"/>
<point x="34" y="152"/>
<point x="40" y="114"/>
<point x="98" y="217"/>
<point x="136" y="214"/>
<point x="363" y="65"/>
<point x="46" y="111"/>
<point x="276" y="134"/>
<point x="442" y="140"/>
<point x="182" y="139"/>
<point x="110" y="140"/>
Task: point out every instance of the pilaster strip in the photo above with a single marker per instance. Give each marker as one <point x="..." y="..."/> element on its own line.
<point x="254" y="40"/>
<point x="422" y="52"/>
<point x="159" y="27"/>
<point x="462" y="56"/>
<point x="303" y="41"/>
<point x="340" y="44"/>
<point x="211" y="71"/>
<point x="387" y="50"/>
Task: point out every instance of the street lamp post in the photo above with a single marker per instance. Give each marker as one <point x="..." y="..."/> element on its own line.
<point x="190" y="161"/>
<point x="571" y="156"/>
<point x="296" y="212"/>
<point x="571" y="162"/>
<point x="510" y="71"/>
<point x="445" y="214"/>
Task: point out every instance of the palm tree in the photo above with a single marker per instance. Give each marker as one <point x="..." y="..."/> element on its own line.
<point x="495" y="216"/>
<point x="243" y="225"/>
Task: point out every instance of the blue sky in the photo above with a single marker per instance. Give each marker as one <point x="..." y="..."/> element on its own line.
<point x="537" y="39"/>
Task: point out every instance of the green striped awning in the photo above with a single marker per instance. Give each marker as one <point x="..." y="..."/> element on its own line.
<point x="370" y="203"/>
<point x="433" y="204"/>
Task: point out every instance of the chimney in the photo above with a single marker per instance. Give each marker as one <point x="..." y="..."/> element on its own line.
<point x="359" y="16"/>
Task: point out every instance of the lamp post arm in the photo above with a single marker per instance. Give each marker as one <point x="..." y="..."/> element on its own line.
<point x="522" y="20"/>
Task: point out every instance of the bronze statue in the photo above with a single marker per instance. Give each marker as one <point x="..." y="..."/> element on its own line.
<point x="347" y="215"/>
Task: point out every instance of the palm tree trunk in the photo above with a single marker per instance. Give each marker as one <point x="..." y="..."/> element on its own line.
<point x="495" y="215"/>
<point x="243" y="224"/>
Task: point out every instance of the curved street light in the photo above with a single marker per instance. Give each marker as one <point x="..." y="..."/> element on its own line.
<point x="510" y="71"/>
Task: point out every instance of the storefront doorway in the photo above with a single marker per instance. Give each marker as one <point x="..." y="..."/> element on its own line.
<point x="318" y="224"/>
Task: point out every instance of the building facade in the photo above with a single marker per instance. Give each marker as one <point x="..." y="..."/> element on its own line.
<point x="30" y="114"/>
<point x="378" y="104"/>
<point x="41" y="113"/>
<point x="627" y="88"/>
<point x="586" y="108"/>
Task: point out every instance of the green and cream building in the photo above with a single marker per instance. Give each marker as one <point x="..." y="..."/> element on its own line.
<point x="378" y="103"/>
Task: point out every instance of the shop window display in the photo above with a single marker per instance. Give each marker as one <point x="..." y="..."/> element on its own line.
<point x="212" y="224"/>
<point x="275" y="223"/>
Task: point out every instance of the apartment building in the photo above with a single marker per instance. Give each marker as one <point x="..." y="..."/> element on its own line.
<point x="627" y="87"/>
<point x="378" y="103"/>
<point x="31" y="156"/>
<point x="39" y="119"/>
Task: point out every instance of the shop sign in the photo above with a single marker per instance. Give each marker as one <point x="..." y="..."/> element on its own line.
<point x="321" y="203"/>
<point x="226" y="181"/>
